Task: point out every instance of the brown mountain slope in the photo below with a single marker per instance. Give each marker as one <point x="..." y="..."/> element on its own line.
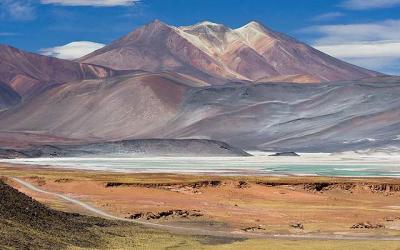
<point x="8" y="97"/>
<point x="29" y="73"/>
<point x="228" y="47"/>
<point x="216" y="53"/>
<point x="291" y="57"/>
<point x="158" y="47"/>
<point x="118" y="108"/>
<point x="326" y="117"/>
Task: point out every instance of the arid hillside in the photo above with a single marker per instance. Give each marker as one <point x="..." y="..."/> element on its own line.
<point x="218" y="54"/>
<point x="29" y="73"/>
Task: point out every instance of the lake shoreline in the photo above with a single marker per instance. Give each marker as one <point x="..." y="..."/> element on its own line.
<point x="317" y="164"/>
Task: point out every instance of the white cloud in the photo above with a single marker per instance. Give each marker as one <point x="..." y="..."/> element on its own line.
<point x="381" y="56"/>
<point x="372" y="45"/>
<point x="328" y="16"/>
<point x="369" y="4"/>
<point x="22" y="10"/>
<point x="96" y="3"/>
<point x="72" y="50"/>
<point x="363" y="49"/>
<point x="347" y="33"/>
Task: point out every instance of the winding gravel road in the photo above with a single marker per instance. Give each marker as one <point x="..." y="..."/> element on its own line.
<point x="196" y="231"/>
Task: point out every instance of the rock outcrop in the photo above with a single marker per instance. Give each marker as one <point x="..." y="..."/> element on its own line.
<point x="285" y="154"/>
<point x="145" y="147"/>
<point x="367" y="225"/>
<point x="170" y="214"/>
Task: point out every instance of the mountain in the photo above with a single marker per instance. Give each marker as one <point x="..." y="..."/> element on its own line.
<point x="158" y="47"/>
<point x="205" y="81"/>
<point x="29" y="73"/>
<point x="116" y="108"/>
<point x="327" y="117"/>
<point x="8" y="97"/>
<point x="218" y="54"/>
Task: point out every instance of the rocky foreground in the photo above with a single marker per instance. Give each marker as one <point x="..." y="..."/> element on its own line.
<point x="27" y="224"/>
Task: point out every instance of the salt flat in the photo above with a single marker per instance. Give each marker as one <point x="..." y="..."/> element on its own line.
<point x="317" y="164"/>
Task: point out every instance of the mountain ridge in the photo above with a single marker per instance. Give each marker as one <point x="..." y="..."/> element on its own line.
<point x="29" y="73"/>
<point x="216" y="53"/>
<point x="326" y="117"/>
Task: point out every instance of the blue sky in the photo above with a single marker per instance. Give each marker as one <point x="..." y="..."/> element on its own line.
<point x="364" y="32"/>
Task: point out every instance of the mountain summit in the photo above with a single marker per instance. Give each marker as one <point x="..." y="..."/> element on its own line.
<point x="216" y="53"/>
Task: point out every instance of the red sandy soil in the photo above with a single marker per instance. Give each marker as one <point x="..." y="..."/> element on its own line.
<point x="229" y="204"/>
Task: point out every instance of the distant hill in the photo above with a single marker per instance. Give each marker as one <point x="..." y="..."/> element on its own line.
<point x="29" y="73"/>
<point x="140" y="147"/>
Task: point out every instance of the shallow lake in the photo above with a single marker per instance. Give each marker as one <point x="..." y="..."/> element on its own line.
<point x="261" y="164"/>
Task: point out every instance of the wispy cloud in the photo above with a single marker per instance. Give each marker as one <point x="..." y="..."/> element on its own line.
<point x="369" y="4"/>
<point x="348" y="33"/>
<point x="372" y="45"/>
<point x="95" y="3"/>
<point x="72" y="50"/>
<point x="328" y="16"/>
<point x="22" y="10"/>
<point x="8" y="34"/>
<point x="363" y="49"/>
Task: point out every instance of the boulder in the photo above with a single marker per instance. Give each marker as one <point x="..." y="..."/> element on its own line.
<point x="297" y="225"/>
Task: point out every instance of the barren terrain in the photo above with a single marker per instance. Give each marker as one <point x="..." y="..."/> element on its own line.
<point x="266" y="205"/>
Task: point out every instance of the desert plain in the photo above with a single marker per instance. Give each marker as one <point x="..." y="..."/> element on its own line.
<point x="225" y="212"/>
